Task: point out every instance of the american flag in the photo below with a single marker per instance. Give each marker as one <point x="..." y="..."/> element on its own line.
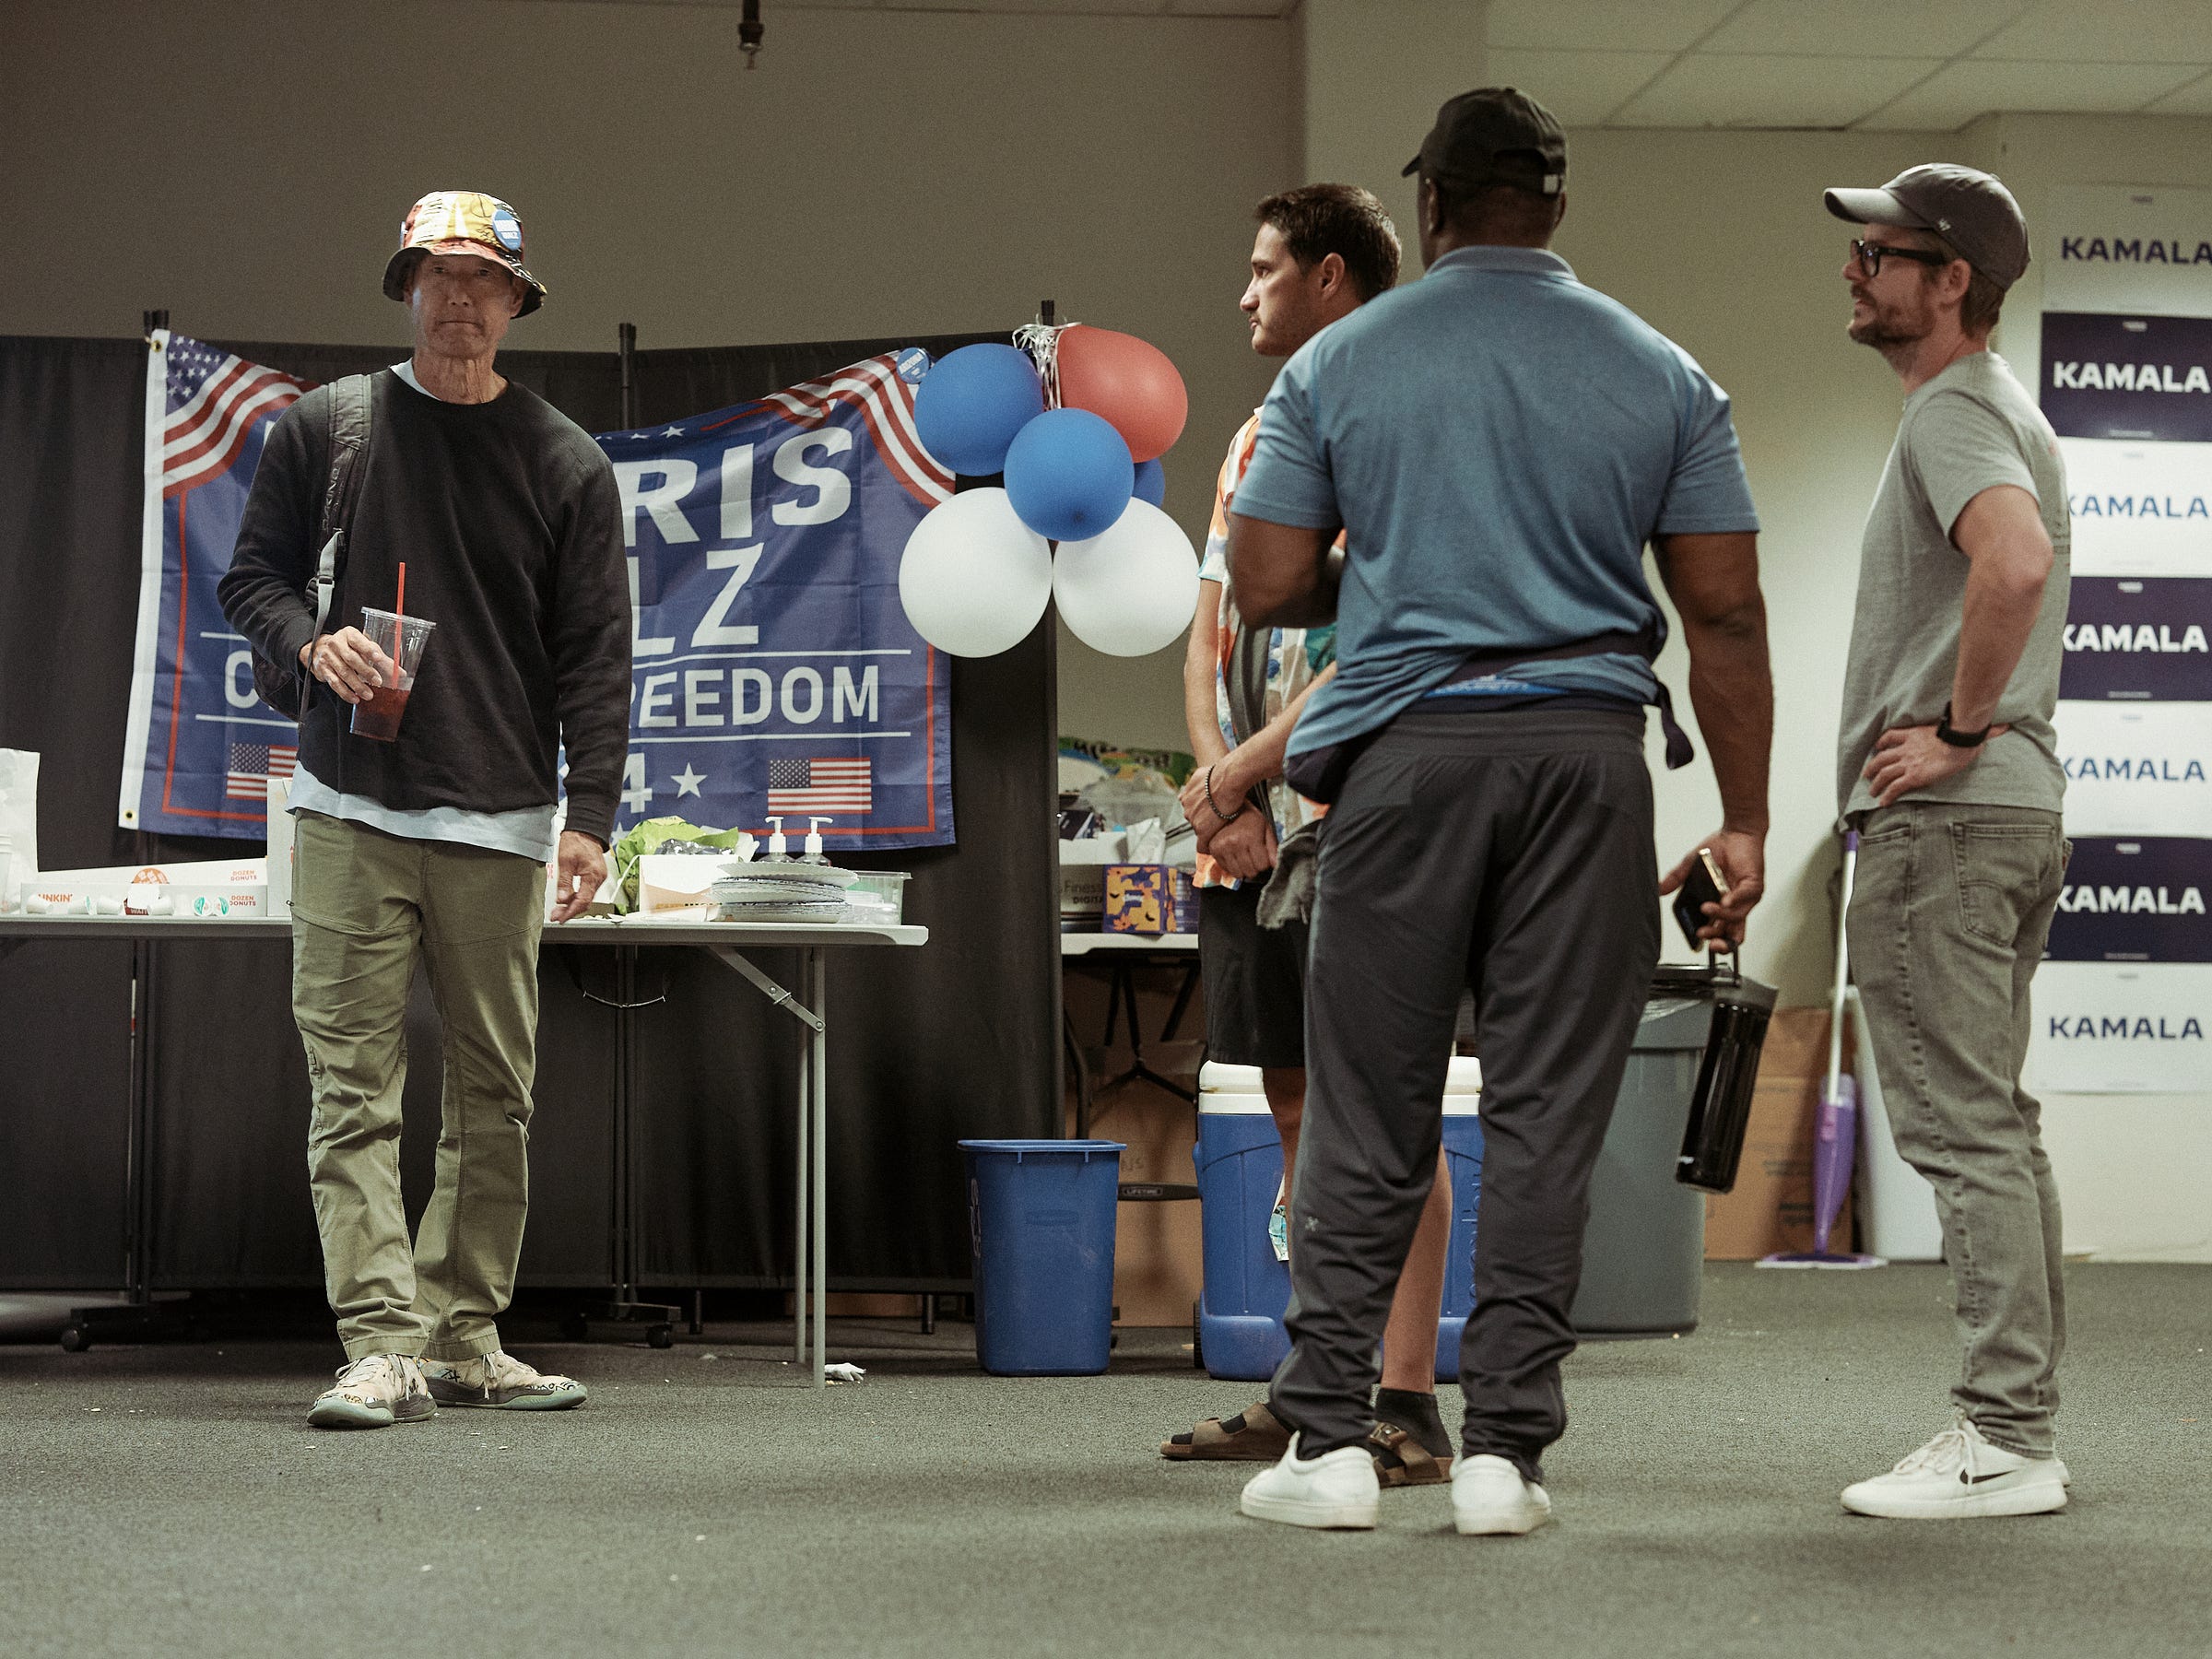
<point x="252" y="767"/>
<point x="797" y="788"/>
<point x="215" y="399"/>
<point x="881" y="394"/>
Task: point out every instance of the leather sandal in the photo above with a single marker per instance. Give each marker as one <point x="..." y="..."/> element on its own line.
<point x="1402" y="1461"/>
<point x="1254" y="1435"/>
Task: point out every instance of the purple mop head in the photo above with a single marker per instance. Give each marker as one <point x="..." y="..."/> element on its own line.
<point x="1835" y="1141"/>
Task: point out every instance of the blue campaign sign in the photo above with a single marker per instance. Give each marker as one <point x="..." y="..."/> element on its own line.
<point x="2134" y="900"/>
<point x="774" y="672"/>
<point x="2138" y="639"/>
<point x="200" y="747"/>
<point x="2128" y="377"/>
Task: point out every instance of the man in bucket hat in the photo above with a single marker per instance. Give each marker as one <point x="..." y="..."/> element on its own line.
<point x="1947" y="768"/>
<point x="432" y="842"/>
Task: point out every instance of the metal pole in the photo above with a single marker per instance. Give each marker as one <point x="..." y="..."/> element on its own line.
<point x="155" y="319"/>
<point x="626" y="348"/>
<point x="817" y="988"/>
<point x="799" y="1246"/>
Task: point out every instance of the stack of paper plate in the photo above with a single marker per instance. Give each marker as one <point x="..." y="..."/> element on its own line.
<point x="793" y="892"/>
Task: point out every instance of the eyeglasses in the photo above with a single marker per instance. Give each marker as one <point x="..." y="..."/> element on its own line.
<point x="1871" y="254"/>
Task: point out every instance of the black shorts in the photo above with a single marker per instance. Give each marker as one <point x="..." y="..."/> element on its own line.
<point x="1255" y="981"/>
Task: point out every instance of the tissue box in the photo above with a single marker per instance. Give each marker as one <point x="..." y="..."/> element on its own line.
<point x="1143" y="899"/>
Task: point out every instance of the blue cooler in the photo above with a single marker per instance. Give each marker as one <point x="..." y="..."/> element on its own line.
<point x="1240" y="1324"/>
<point x="1041" y="1217"/>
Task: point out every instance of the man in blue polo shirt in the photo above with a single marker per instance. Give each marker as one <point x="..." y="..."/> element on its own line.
<point x="1499" y="442"/>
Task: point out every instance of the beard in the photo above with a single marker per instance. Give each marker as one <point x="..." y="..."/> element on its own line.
<point x="1889" y="327"/>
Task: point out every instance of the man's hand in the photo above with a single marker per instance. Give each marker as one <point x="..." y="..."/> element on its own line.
<point x="1205" y="817"/>
<point x="579" y="869"/>
<point x="1910" y="757"/>
<point x="1742" y="855"/>
<point x="348" y="662"/>
<point x="1244" y="847"/>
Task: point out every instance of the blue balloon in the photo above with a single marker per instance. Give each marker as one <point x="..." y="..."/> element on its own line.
<point x="1151" y="482"/>
<point x="1068" y="475"/>
<point x="972" y="401"/>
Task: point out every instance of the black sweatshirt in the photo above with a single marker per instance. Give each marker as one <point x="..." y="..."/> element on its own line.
<point x="508" y="518"/>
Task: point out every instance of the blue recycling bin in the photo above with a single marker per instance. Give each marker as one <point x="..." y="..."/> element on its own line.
<point x="1240" y="1329"/>
<point x="1040" y="1218"/>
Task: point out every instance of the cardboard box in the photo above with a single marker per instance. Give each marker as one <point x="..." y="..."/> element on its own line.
<point x="1771" y="1208"/>
<point x="1150" y="899"/>
<point x="1083" y="878"/>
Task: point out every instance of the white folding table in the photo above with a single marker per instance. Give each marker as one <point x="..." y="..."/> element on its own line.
<point x="726" y="941"/>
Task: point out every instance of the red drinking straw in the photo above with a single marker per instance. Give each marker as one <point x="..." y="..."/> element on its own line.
<point x="399" y="606"/>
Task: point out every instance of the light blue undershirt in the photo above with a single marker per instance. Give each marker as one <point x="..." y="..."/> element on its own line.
<point x="527" y="831"/>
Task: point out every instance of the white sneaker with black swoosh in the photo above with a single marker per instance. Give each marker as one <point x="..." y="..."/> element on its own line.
<point x="1960" y="1474"/>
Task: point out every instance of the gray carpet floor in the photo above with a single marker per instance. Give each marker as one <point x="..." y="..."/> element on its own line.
<point x="170" y="1498"/>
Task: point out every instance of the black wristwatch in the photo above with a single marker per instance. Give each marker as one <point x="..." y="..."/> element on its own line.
<point x="1946" y="733"/>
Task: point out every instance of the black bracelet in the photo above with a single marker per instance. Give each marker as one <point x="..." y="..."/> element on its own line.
<point x="1206" y="782"/>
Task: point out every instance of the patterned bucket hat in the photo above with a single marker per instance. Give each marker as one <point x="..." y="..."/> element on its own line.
<point x="461" y="221"/>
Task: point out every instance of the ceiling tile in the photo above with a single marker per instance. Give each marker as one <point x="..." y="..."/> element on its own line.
<point x="1603" y="24"/>
<point x="2139" y="31"/>
<point x="2194" y="99"/>
<point x="1580" y="87"/>
<point x="1702" y="91"/>
<point x="1865" y="27"/>
<point x="1965" y="90"/>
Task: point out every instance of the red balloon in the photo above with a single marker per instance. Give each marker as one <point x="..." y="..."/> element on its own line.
<point x="1129" y="382"/>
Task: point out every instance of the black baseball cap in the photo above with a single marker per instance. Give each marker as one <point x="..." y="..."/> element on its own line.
<point x="1971" y="210"/>
<point x="1495" y="136"/>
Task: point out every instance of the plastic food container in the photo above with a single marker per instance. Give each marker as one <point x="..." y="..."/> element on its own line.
<point x="878" y="897"/>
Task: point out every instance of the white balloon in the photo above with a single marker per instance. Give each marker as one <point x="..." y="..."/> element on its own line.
<point x="1131" y="590"/>
<point x="974" y="578"/>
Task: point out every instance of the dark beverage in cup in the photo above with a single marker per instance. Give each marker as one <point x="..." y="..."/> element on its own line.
<point x="379" y="717"/>
<point x="402" y="640"/>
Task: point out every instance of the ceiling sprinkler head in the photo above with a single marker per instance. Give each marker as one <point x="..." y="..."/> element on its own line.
<point x="749" y="31"/>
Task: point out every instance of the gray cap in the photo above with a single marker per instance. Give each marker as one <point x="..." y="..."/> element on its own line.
<point x="1495" y="134"/>
<point x="1971" y="210"/>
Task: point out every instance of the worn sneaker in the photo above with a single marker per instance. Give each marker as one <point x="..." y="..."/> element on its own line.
<point x="499" y="1380"/>
<point x="1337" y="1490"/>
<point x="1960" y="1473"/>
<point x="1490" y="1494"/>
<point x="374" y="1391"/>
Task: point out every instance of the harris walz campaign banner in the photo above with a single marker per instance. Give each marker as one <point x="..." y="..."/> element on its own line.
<point x="773" y="670"/>
<point x="200" y="746"/>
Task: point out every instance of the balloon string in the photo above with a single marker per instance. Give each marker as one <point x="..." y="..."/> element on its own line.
<point x="1041" y="341"/>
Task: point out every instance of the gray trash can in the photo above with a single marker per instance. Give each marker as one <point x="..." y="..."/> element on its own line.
<point x="1643" y="1251"/>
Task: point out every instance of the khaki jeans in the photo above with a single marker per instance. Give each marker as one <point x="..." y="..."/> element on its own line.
<point x="1952" y="907"/>
<point x="365" y="905"/>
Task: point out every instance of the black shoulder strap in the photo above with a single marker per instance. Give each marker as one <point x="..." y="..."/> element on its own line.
<point x="349" y="431"/>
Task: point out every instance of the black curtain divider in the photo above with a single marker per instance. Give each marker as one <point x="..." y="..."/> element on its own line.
<point x="959" y="1038"/>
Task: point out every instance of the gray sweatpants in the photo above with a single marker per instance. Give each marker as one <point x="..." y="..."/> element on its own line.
<point x="1948" y="924"/>
<point x="1509" y="852"/>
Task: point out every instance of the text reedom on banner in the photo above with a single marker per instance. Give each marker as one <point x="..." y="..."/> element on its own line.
<point x="774" y="668"/>
<point x="199" y="747"/>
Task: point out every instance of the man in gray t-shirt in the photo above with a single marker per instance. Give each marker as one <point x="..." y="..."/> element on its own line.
<point x="1947" y="772"/>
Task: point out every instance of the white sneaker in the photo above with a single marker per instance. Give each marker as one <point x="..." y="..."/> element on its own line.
<point x="1960" y="1473"/>
<point x="374" y="1391"/>
<point x="1337" y="1490"/>
<point x="500" y="1380"/>
<point x="1490" y="1494"/>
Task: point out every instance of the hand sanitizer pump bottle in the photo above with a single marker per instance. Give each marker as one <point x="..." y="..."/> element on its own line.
<point x="814" y="855"/>
<point x="777" y="853"/>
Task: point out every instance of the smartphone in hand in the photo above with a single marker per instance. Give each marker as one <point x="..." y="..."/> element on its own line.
<point x="1704" y="885"/>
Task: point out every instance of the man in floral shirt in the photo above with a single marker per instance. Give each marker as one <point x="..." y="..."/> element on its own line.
<point x="1321" y="252"/>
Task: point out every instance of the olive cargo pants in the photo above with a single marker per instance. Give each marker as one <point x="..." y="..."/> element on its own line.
<point x="365" y="905"/>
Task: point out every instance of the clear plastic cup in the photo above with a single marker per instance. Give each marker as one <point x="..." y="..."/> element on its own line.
<point x="402" y="639"/>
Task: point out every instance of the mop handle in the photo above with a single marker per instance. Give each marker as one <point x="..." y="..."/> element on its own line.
<point x="1835" y="1020"/>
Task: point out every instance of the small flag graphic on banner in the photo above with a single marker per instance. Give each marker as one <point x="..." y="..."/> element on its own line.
<point x="252" y="767"/>
<point x="797" y="788"/>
